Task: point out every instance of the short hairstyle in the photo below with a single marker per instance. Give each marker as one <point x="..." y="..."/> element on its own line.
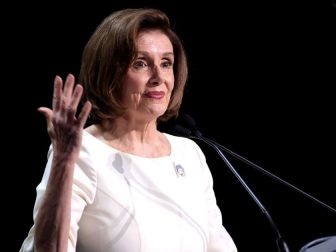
<point x="110" y="51"/>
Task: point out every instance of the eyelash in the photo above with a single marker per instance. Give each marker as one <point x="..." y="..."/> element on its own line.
<point x="141" y="64"/>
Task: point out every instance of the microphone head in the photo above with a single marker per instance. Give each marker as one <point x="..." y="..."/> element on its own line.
<point x="182" y="131"/>
<point x="189" y="121"/>
<point x="192" y="125"/>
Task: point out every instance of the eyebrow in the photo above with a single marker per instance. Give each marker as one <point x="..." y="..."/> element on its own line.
<point x="164" y="54"/>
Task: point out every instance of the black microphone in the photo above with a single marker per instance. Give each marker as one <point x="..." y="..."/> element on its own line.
<point x="192" y="125"/>
<point x="281" y="244"/>
<point x="182" y="131"/>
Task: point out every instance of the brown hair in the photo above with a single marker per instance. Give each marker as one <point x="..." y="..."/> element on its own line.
<point x="109" y="53"/>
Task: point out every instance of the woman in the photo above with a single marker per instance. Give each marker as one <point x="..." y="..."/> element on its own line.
<point x="121" y="184"/>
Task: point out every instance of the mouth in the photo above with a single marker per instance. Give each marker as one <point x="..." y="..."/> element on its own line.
<point x="155" y="94"/>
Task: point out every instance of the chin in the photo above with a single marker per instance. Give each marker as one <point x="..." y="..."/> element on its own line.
<point x="158" y="110"/>
<point x="158" y="114"/>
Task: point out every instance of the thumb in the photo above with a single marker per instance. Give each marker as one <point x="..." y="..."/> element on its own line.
<point x="47" y="114"/>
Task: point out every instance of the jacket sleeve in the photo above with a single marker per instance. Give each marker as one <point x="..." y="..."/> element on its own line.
<point x="219" y="239"/>
<point x="83" y="193"/>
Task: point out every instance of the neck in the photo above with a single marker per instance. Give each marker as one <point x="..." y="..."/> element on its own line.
<point x="129" y="131"/>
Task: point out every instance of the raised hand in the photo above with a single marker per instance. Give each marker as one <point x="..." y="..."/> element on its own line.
<point x="52" y="222"/>
<point x="64" y="128"/>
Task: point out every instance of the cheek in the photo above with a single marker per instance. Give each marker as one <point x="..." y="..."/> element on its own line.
<point x="135" y="98"/>
<point x="131" y="96"/>
<point x="132" y="86"/>
<point x="171" y="85"/>
<point x="170" y="81"/>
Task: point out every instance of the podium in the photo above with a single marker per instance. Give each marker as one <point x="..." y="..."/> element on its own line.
<point x="324" y="244"/>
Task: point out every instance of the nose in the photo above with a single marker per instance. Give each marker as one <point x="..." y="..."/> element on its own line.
<point x="156" y="76"/>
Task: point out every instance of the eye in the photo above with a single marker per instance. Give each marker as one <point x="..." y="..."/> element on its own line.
<point x="139" y="64"/>
<point x="167" y="64"/>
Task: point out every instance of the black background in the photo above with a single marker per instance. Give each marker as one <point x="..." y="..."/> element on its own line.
<point x="261" y="83"/>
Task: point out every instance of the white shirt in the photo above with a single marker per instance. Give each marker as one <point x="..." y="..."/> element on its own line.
<point x="127" y="203"/>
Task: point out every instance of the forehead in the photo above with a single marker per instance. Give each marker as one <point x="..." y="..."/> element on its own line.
<point x="154" y="40"/>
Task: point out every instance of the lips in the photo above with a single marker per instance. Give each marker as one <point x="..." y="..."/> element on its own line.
<point x="155" y="94"/>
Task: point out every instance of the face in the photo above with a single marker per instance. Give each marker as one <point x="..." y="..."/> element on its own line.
<point x="149" y="81"/>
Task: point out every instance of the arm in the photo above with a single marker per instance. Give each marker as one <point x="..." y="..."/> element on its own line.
<point x="65" y="130"/>
<point x="219" y="239"/>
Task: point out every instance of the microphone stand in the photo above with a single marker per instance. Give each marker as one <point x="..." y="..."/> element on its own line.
<point x="281" y="244"/>
<point x="258" y="168"/>
<point x="180" y="130"/>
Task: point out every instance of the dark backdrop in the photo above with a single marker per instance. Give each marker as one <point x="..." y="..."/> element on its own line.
<point x="261" y="83"/>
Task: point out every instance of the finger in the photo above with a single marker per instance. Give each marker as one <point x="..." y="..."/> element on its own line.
<point x="66" y="97"/>
<point x="72" y="107"/>
<point x="45" y="111"/>
<point x="68" y="89"/>
<point x="84" y="114"/>
<point x="57" y="96"/>
<point x="48" y="115"/>
<point x="77" y="94"/>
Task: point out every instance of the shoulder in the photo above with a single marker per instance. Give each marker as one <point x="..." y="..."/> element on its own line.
<point x="89" y="144"/>
<point x="92" y="142"/>
<point x="183" y="144"/>
<point x="179" y="140"/>
<point x="187" y="153"/>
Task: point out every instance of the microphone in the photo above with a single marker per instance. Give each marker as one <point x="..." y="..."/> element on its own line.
<point x="281" y="244"/>
<point x="192" y="125"/>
